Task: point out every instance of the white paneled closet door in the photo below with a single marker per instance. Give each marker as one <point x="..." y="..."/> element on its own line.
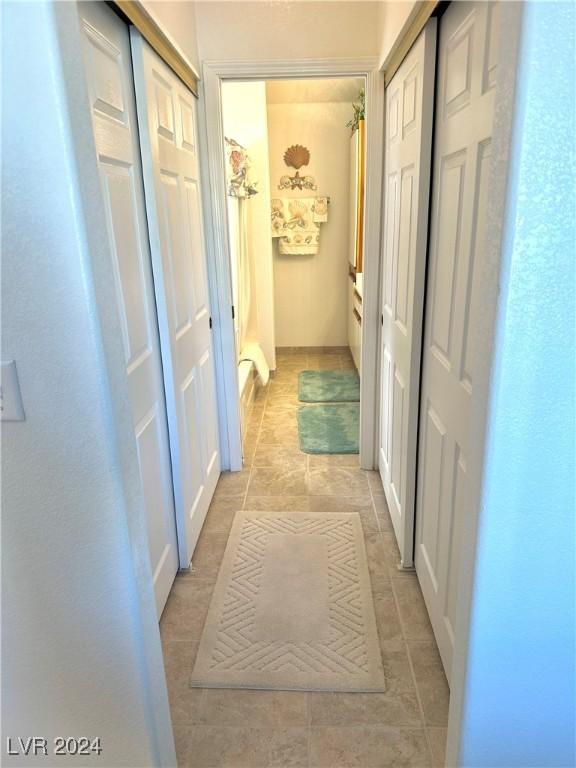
<point x="463" y="129"/>
<point x="108" y="67"/>
<point x="168" y="134"/>
<point x="409" y="111"/>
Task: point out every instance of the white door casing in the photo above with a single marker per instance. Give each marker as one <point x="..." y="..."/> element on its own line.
<point x="107" y="63"/>
<point x="168" y="134"/>
<point x="463" y="129"/>
<point x="408" y="149"/>
<point x="214" y="73"/>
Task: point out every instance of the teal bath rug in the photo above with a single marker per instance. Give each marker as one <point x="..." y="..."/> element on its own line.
<point x="329" y="387"/>
<point x="329" y="428"/>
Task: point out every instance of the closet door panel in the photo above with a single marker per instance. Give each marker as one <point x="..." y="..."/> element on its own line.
<point x="107" y="63"/>
<point x="464" y="114"/>
<point x="409" y="99"/>
<point x="167" y="120"/>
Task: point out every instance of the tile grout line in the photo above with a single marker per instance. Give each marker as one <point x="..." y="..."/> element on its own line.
<point x="406" y="647"/>
<point x="411" y="665"/>
<point x="374" y="508"/>
<point x="256" y="447"/>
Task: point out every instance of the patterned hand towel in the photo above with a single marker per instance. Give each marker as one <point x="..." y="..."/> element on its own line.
<point x="293" y="221"/>
<point x="320" y="210"/>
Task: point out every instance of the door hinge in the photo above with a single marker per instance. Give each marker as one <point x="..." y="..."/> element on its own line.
<point x="233" y="314"/>
<point x="381" y="319"/>
<point x="210" y="322"/>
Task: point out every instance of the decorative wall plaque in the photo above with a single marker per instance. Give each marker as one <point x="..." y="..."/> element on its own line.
<point x="295" y="157"/>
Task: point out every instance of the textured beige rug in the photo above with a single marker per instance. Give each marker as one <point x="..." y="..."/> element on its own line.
<point x="292" y="608"/>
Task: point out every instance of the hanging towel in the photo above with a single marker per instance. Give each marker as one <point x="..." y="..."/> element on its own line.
<point x="253" y="351"/>
<point x="320" y="210"/>
<point x="294" y="224"/>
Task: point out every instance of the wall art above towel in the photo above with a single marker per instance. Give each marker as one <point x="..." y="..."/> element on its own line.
<point x="239" y="181"/>
<point x="295" y="157"/>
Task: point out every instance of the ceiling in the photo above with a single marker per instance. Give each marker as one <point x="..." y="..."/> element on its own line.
<point x="327" y="89"/>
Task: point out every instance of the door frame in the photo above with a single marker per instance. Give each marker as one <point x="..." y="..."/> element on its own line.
<point x="214" y="73"/>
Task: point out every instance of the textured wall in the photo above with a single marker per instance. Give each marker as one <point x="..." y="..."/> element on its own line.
<point x="393" y="16"/>
<point x="282" y="30"/>
<point x="310" y="292"/>
<point x="178" y="19"/>
<point x="80" y="643"/>
<point x="519" y="699"/>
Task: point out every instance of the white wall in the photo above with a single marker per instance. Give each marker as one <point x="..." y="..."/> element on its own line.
<point x="280" y="30"/>
<point x="80" y="643"/>
<point x="519" y="698"/>
<point x="393" y="17"/>
<point x="178" y="20"/>
<point x="310" y="292"/>
<point x="245" y="120"/>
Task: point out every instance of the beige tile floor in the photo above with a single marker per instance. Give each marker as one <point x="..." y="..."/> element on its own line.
<point x="406" y="725"/>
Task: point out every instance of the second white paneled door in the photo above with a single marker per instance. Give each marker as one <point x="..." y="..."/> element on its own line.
<point x="464" y="116"/>
<point x="168" y="135"/>
<point x="409" y="111"/>
<point x="107" y="63"/>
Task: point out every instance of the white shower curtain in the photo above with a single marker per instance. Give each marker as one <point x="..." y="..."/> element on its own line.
<point x="241" y="268"/>
<point x="244" y="276"/>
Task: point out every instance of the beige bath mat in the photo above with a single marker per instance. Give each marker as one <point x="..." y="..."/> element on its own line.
<point x="292" y="608"/>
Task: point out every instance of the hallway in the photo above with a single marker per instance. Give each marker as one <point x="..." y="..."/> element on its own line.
<point x="406" y="725"/>
<point x="125" y="383"/>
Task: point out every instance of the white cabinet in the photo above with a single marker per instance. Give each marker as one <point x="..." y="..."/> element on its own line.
<point x="355" y="321"/>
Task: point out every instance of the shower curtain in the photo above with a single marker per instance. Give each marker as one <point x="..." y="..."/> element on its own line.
<point x="244" y="276"/>
<point x="241" y="268"/>
<point x="241" y="187"/>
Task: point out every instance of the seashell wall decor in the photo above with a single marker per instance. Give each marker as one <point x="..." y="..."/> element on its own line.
<point x="295" y="157"/>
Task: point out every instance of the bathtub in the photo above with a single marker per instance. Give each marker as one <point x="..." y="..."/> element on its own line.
<point x="246" y="390"/>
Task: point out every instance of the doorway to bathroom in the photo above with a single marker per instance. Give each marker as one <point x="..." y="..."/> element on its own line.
<point x="294" y="158"/>
<point x="276" y="312"/>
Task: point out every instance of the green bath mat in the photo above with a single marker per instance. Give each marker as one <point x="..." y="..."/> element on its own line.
<point x="329" y="428"/>
<point x="329" y="387"/>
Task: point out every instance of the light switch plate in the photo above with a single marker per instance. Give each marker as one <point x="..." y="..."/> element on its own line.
<point x="11" y="408"/>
